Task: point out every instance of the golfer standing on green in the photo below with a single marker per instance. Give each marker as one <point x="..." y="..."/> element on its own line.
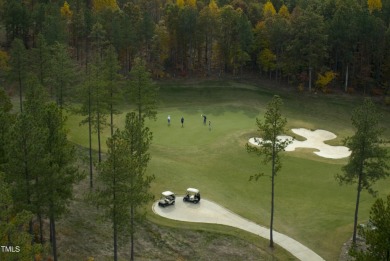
<point x="182" y="121"/>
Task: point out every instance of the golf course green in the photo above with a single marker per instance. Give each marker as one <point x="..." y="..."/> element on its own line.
<point x="310" y="206"/>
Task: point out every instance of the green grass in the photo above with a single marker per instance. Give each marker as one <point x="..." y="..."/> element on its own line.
<point x="310" y="205"/>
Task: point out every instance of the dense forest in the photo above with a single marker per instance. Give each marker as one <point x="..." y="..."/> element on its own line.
<point x="93" y="53"/>
<point x="344" y="45"/>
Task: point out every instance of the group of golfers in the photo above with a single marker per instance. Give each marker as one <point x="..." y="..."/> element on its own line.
<point x="182" y="121"/>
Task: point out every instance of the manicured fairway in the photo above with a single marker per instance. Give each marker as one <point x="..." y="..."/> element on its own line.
<point x="310" y="205"/>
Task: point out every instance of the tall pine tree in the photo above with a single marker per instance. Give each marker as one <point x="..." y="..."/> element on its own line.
<point x="271" y="146"/>
<point x="123" y="186"/>
<point x="369" y="160"/>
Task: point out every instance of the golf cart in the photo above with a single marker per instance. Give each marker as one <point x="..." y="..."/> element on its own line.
<point x="192" y="195"/>
<point x="167" y="198"/>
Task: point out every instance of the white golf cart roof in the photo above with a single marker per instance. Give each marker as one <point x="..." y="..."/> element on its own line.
<point x="167" y="193"/>
<point x="193" y="190"/>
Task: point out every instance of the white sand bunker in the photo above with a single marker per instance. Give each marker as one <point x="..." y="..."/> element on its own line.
<point x="314" y="140"/>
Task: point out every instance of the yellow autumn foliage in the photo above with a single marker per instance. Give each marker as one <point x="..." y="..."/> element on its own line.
<point x="269" y="9"/>
<point x="99" y="5"/>
<point x="180" y="3"/>
<point x="374" y="5"/>
<point x="65" y="11"/>
<point x="191" y="3"/>
<point x="213" y="5"/>
<point x="267" y="59"/>
<point x="283" y="12"/>
<point x="323" y="80"/>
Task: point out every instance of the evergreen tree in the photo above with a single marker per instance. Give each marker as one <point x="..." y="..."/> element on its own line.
<point x="344" y="35"/>
<point x="54" y="26"/>
<point x="111" y="77"/>
<point x="40" y="58"/>
<point x="17" y="20"/>
<point x="308" y="48"/>
<point x="270" y="146"/>
<point x="13" y="230"/>
<point x="62" y="73"/>
<point x="6" y="120"/>
<point x="86" y="109"/>
<point x="123" y="183"/>
<point x="375" y="233"/>
<point x="227" y="36"/>
<point x="94" y="99"/>
<point x="36" y="99"/>
<point x="111" y="195"/>
<point x="40" y="161"/>
<point x="60" y="173"/>
<point x="18" y="64"/>
<point x="142" y="91"/>
<point x="208" y="28"/>
<point x="25" y="157"/>
<point x="369" y="161"/>
<point x="100" y="92"/>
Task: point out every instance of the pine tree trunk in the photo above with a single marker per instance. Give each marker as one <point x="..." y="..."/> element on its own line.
<point x="310" y="69"/>
<point x="90" y="139"/>
<point x="359" y="189"/>
<point x="41" y="65"/>
<point x="98" y="133"/>
<point x="128" y="60"/>
<point x="61" y="95"/>
<point x="27" y="177"/>
<point x="132" y="205"/>
<point x="132" y="233"/>
<point x="111" y="112"/>
<point x="206" y="56"/>
<point x="20" y="92"/>
<point x="86" y="53"/>
<point x="40" y="228"/>
<point x="139" y="101"/>
<point x="346" y="79"/>
<point x="9" y="232"/>
<point x="271" y="238"/>
<point x="210" y="59"/>
<point x="115" y="228"/>
<point x="54" y="242"/>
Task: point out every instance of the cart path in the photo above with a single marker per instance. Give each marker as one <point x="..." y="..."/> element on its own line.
<point x="207" y="211"/>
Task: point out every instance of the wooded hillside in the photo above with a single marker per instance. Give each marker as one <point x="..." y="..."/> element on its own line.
<point x="344" y="44"/>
